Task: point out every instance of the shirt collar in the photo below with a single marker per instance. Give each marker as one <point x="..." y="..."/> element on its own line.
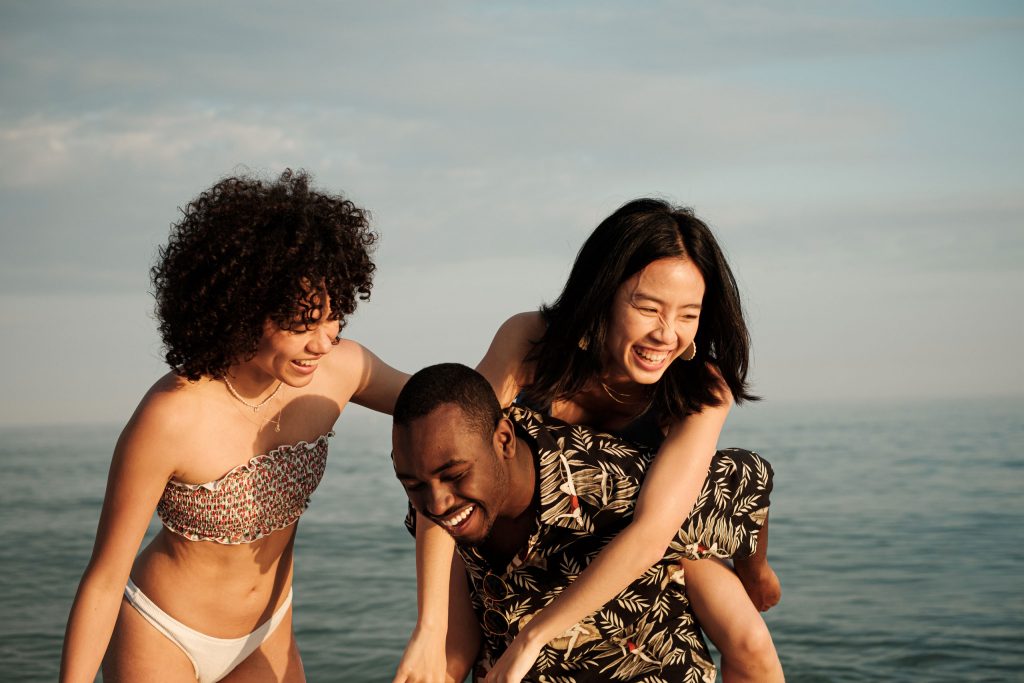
<point x="559" y="507"/>
<point x="559" y="504"/>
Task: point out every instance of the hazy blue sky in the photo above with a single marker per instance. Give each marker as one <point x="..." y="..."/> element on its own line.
<point x="861" y="162"/>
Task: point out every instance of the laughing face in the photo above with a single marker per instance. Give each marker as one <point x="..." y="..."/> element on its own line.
<point x="453" y="473"/>
<point x="653" y="321"/>
<point x="292" y="356"/>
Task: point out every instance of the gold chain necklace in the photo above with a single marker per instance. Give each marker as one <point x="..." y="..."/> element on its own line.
<point x="623" y="398"/>
<point x="256" y="407"/>
<point x="615" y="395"/>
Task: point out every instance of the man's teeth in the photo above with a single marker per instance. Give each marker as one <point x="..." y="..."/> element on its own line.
<point x="650" y="357"/>
<point x="459" y="518"/>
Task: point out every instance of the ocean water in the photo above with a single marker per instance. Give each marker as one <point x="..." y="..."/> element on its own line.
<point x="896" y="530"/>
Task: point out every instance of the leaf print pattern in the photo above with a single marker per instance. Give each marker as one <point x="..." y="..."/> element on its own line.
<point x="588" y="486"/>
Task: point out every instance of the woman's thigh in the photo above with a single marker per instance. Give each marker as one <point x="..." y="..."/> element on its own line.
<point x="277" y="659"/>
<point x="138" y="652"/>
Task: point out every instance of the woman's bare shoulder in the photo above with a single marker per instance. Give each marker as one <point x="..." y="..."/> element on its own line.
<point x="514" y="339"/>
<point x="504" y="365"/>
<point x="347" y="365"/>
<point x="517" y="336"/>
<point x="526" y="326"/>
<point x="171" y="399"/>
<point x="346" y="357"/>
<point x="167" y="414"/>
<point x="364" y="377"/>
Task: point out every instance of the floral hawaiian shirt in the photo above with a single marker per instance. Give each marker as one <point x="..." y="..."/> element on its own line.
<point x="589" y="482"/>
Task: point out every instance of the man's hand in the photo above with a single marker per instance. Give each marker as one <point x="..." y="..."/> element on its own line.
<point x="761" y="584"/>
<point x="424" y="659"/>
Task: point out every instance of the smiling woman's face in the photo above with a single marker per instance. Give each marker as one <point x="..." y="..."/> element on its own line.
<point x="291" y="356"/>
<point x="654" y="318"/>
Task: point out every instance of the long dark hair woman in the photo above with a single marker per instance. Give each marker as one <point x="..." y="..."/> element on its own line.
<point x="252" y="291"/>
<point x="648" y="340"/>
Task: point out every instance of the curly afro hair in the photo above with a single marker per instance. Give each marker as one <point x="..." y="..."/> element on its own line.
<point x="247" y="251"/>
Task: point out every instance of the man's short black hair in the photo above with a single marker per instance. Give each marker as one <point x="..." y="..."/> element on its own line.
<point x="449" y="383"/>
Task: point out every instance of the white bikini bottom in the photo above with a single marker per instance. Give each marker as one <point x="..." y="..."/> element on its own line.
<point x="212" y="658"/>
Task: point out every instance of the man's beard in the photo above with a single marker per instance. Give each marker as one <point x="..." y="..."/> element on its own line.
<point x="474" y="542"/>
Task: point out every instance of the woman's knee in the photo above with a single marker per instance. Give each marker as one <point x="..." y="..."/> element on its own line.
<point x="752" y="647"/>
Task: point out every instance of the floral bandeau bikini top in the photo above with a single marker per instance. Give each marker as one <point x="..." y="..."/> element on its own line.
<point x="251" y="501"/>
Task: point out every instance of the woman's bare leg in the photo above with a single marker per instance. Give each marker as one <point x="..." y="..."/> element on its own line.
<point x="277" y="659"/>
<point x="732" y="623"/>
<point x="138" y="652"/>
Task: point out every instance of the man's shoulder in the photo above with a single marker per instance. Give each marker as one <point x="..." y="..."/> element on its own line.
<point x="588" y="480"/>
<point x="580" y="442"/>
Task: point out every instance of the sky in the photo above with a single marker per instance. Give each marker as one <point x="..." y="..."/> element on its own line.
<point x="862" y="164"/>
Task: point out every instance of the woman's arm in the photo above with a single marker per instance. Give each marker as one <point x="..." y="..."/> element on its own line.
<point x="366" y="379"/>
<point x="139" y="470"/>
<point x="374" y="384"/>
<point x="666" y="499"/>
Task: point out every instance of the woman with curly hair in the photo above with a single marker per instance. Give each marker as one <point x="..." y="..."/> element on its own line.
<point x="252" y="291"/>
<point x="647" y="340"/>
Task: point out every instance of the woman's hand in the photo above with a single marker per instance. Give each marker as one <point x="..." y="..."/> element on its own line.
<point x="424" y="658"/>
<point x="517" y="661"/>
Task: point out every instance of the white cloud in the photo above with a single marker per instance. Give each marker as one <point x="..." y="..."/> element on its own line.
<point x="49" y="151"/>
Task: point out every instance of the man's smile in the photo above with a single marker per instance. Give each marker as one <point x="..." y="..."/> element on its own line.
<point x="456" y="521"/>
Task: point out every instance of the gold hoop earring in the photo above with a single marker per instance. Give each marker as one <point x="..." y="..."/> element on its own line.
<point x="692" y="348"/>
<point x="583" y="343"/>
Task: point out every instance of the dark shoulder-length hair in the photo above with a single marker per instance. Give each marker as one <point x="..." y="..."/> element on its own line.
<point x="248" y="250"/>
<point x="639" y="233"/>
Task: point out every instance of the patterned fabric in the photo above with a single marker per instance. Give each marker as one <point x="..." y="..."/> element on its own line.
<point x="589" y="483"/>
<point x="251" y="501"/>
